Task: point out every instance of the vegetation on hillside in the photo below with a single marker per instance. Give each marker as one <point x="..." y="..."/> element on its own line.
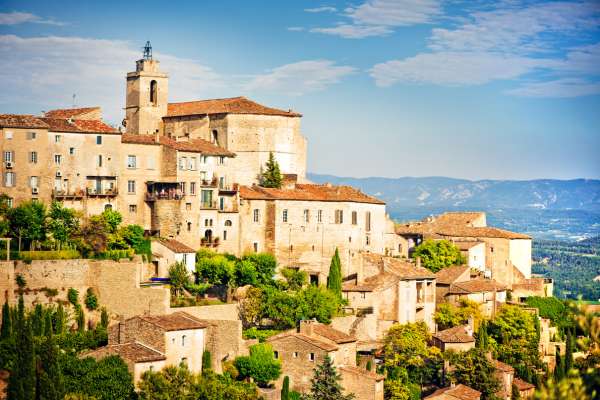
<point x="438" y="254"/>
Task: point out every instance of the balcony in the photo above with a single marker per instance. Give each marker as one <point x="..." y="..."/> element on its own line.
<point x="209" y="182"/>
<point x="102" y="192"/>
<point x="228" y="189"/>
<point x="163" y="196"/>
<point x="59" y="194"/>
<point x="208" y="205"/>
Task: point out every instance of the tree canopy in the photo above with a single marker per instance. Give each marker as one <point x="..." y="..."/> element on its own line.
<point x="271" y="177"/>
<point x="438" y="254"/>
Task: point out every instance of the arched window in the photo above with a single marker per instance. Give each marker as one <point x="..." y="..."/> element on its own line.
<point x="228" y="222"/>
<point x="215" y="136"/>
<point x="208" y="235"/>
<point x="153" y="92"/>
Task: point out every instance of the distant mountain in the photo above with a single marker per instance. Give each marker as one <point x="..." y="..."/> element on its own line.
<point x="545" y="208"/>
<point x="540" y="194"/>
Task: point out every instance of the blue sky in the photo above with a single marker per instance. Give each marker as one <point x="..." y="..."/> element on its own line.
<point x="471" y="89"/>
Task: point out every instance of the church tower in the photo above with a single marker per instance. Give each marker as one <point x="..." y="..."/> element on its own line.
<point x="147" y="96"/>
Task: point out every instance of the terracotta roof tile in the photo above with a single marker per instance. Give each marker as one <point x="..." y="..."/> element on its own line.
<point x="332" y="334"/>
<point x="177" y="321"/>
<point x="308" y="192"/>
<point x="362" y="373"/>
<point x="457" y="334"/>
<point x="522" y="385"/>
<point x="133" y="351"/>
<point x="503" y="367"/>
<point x="533" y="284"/>
<point x="176" y="246"/>
<point x="71" y="112"/>
<point x="476" y="286"/>
<point x="21" y="121"/>
<point x="448" y="275"/>
<point x="191" y="145"/>
<point x="459" y="392"/>
<point x="465" y="245"/>
<point x="308" y="339"/>
<point x="233" y="105"/>
<point x="78" y="126"/>
<point x="372" y="283"/>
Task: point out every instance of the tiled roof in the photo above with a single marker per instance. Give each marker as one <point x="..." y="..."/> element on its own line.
<point x="478" y="285"/>
<point x="133" y="351"/>
<point x="191" y="145"/>
<point x="533" y="285"/>
<point x="406" y="270"/>
<point x="176" y="246"/>
<point x="332" y="334"/>
<point x="522" y="385"/>
<point x="503" y="367"/>
<point x="448" y="275"/>
<point x="308" y="192"/>
<point x="78" y="125"/>
<point x="70" y="112"/>
<point x="21" y="121"/>
<point x="362" y="373"/>
<point x="459" y="392"/>
<point x="233" y="105"/>
<point x="372" y="283"/>
<point x="458" y="334"/>
<point x="308" y="339"/>
<point x="177" y="321"/>
<point x="466" y="244"/>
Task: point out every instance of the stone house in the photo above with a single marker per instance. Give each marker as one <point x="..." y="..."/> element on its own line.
<point x="150" y="342"/>
<point x="458" y="338"/>
<point x="393" y="290"/>
<point x="458" y="392"/>
<point x="505" y="374"/>
<point x="474" y="253"/>
<point x="488" y="293"/>
<point x="166" y="252"/>
<point x="302" y="351"/>
<point x="448" y="276"/>
<point x="526" y="389"/>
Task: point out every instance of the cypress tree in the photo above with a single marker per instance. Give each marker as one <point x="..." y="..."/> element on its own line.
<point x="104" y="318"/>
<point x="569" y="352"/>
<point x="37" y="320"/>
<point x="482" y="336"/>
<point x="325" y="385"/>
<point x="48" y="323"/>
<point x="559" y="367"/>
<point x="80" y="318"/>
<point x="51" y="383"/>
<point x="285" y="389"/>
<point x="59" y="320"/>
<point x="6" y="329"/>
<point x="22" y="382"/>
<point x="206" y="361"/>
<point x="334" y="281"/>
<point x="271" y="177"/>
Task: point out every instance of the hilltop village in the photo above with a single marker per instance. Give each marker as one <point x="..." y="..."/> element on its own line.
<point x="222" y="260"/>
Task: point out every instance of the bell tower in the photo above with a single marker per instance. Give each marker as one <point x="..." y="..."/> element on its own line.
<point x="147" y="96"/>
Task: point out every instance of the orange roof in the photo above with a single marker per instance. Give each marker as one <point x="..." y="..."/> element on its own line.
<point x="459" y="392"/>
<point x="503" y="367"/>
<point x="448" y="275"/>
<point x="362" y="373"/>
<point x="305" y="338"/>
<point x="233" y="105"/>
<point x="467" y="244"/>
<point x="332" y="334"/>
<point x="478" y="285"/>
<point x="134" y="351"/>
<point x="70" y="112"/>
<point x="458" y="334"/>
<point x="190" y="145"/>
<point x="177" y="321"/>
<point x="522" y="385"/>
<point x="176" y="246"/>
<point x="308" y="192"/>
<point x="21" y="121"/>
<point x="391" y="270"/>
<point x="78" y="126"/>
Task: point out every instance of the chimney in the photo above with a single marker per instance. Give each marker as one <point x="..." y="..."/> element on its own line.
<point x="306" y="326"/>
<point x="418" y="261"/>
<point x="121" y="336"/>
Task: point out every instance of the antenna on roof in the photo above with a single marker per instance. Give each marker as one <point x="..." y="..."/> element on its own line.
<point x="74" y="95"/>
<point x="148" y="51"/>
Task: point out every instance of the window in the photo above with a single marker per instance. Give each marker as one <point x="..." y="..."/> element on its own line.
<point x="153" y="92"/>
<point x="9" y="156"/>
<point x="295" y="354"/>
<point x="33" y="157"/>
<point x="132" y="209"/>
<point x="256" y="215"/>
<point x="256" y="247"/>
<point x="189" y="228"/>
<point x="368" y="240"/>
<point x="192" y="164"/>
<point x="368" y="221"/>
<point x="182" y="163"/>
<point x="9" y="179"/>
<point x="183" y="340"/>
<point x="215" y="136"/>
<point x="130" y="187"/>
<point x="151" y="368"/>
<point x="98" y="139"/>
<point x="228" y="222"/>
<point x="224" y="235"/>
<point x="184" y="360"/>
<point x="339" y="216"/>
<point x="9" y="202"/>
<point x="222" y="182"/>
<point x="400" y="248"/>
<point x="354" y="218"/>
<point x="131" y="161"/>
<point x="221" y="203"/>
<point x="221" y="160"/>
<point x="30" y="135"/>
<point x="307" y="216"/>
<point x="72" y="151"/>
<point x="192" y="187"/>
<point x="33" y="181"/>
<point x="311" y="356"/>
<point x="182" y="187"/>
<point x="57" y="159"/>
<point x="284" y="215"/>
<point x="320" y="216"/>
<point x="99" y="162"/>
<point x="276" y="354"/>
<point x="56" y="138"/>
<point x="188" y="206"/>
<point x="204" y="159"/>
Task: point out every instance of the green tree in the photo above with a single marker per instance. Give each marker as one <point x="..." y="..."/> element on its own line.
<point x="173" y="382"/>
<point x="325" y="384"/>
<point x="4" y="211"/>
<point x="94" y="234"/>
<point x="472" y="368"/>
<point x="334" y="280"/>
<point x="51" y="383"/>
<point x="316" y="302"/>
<point x="206" y="361"/>
<point x="21" y="384"/>
<point x="59" y="319"/>
<point x="107" y="379"/>
<point x="113" y="219"/>
<point x="6" y="329"/>
<point x="73" y="296"/>
<point x="482" y="338"/>
<point x="271" y="177"/>
<point x="265" y="265"/>
<point x="37" y="320"/>
<point x="62" y="223"/>
<point x="438" y="254"/>
<point x="216" y="270"/>
<point x="261" y="365"/>
<point x="28" y="222"/>
<point x="285" y="389"/>
<point x="222" y="387"/>
<point x="245" y="273"/>
<point x="104" y="319"/>
<point x="571" y="387"/>
<point x="295" y="279"/>
<point x="91" y="300"/>
<point x="178" y="277"/>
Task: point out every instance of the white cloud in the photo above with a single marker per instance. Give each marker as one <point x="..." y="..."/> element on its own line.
<point x="379" y="17"/>
<point x="300" y="77"/>
<point x="321" y="9"/>
<point x="48" y="70"/>
<point x="16" y="18"/>
<point x="567" y="87"/>
<point x="348" y="31"/>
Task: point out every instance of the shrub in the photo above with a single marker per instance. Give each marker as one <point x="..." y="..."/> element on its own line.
<point x="261" y="334"/>
<point x="73" y="296"/>
<point x="50" y="255"/>
<point x="261" y="365"/>
<point x="116" y="255"/>
<point x="91" y="300"/>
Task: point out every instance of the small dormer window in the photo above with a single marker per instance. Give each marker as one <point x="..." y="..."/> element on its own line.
<point x="153" y="92"/>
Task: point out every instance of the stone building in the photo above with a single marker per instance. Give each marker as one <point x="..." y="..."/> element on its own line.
<point x="166" y="252"/>
<point x="150" y="342"/>
<point x="458" y="338"/>
<point x="458" y="392"/>
<point x="302" y="351"/>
